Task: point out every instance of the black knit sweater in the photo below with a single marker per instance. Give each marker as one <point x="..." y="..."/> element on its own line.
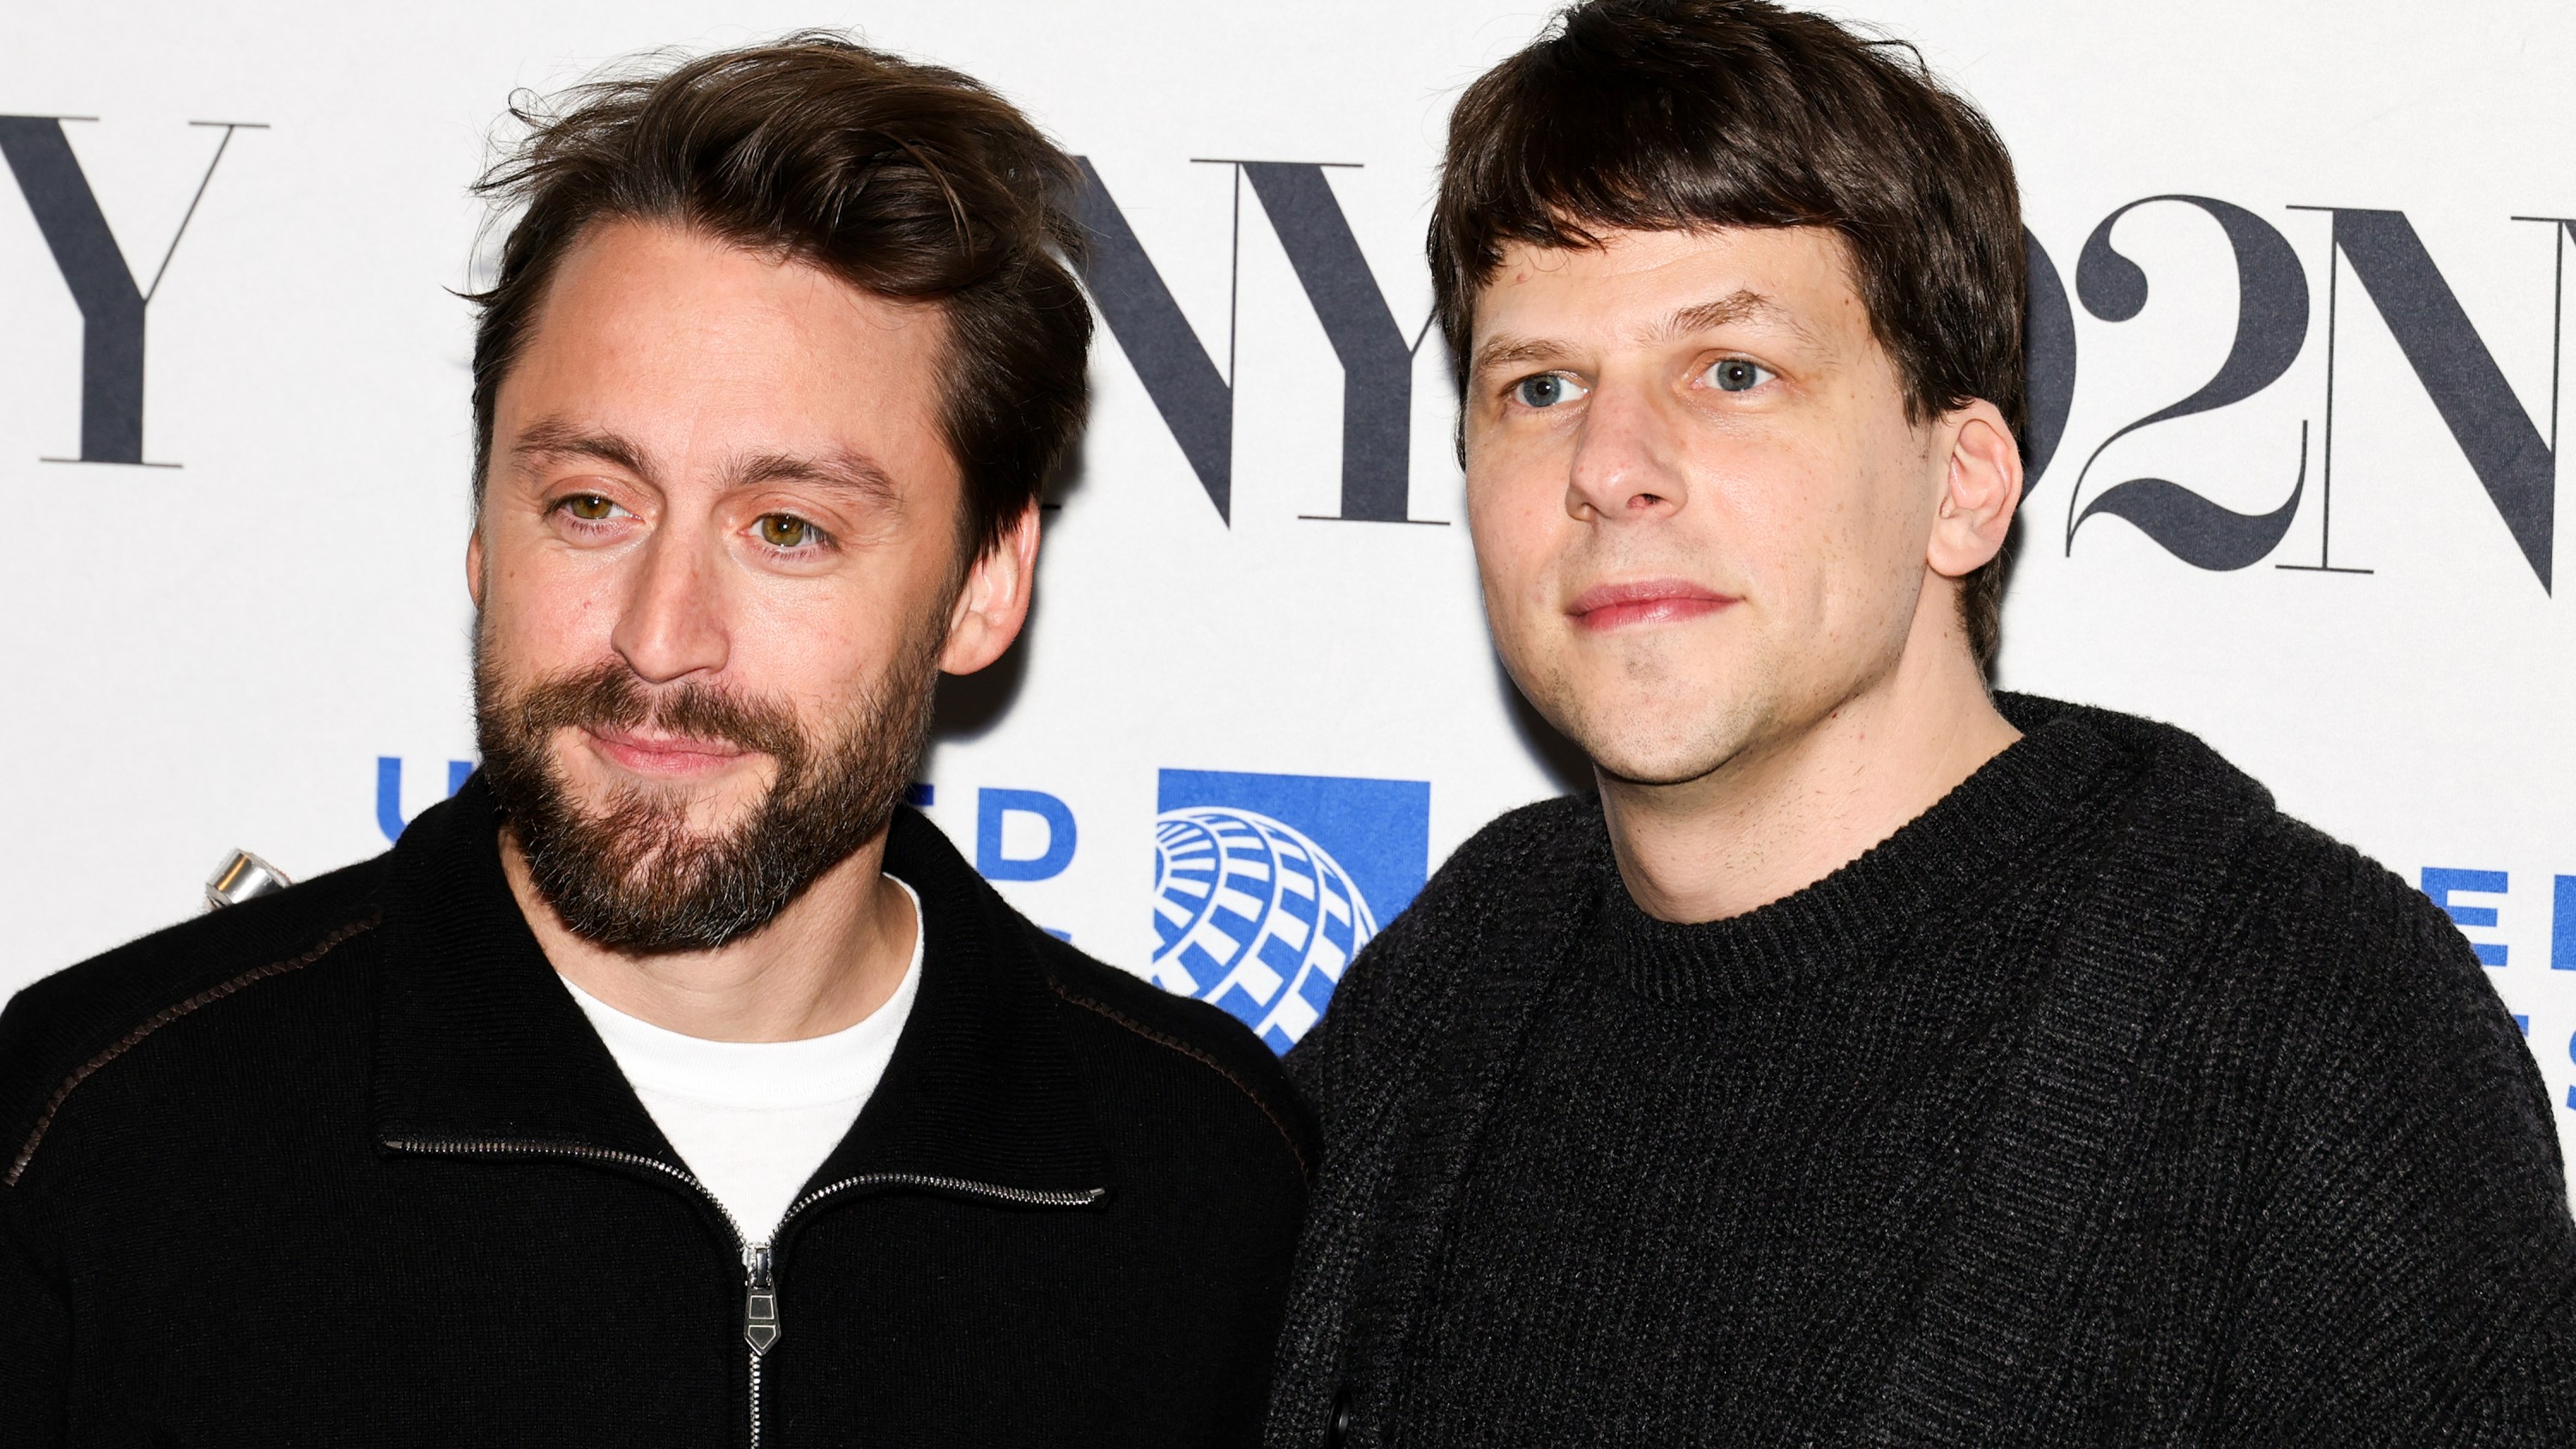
<point x="2101" y="1104"/>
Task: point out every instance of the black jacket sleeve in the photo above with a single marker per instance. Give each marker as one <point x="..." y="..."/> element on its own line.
<point x="35" y="1334"/>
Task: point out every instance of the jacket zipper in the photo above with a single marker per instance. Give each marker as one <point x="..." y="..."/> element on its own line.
<point x="760" y="1325"/>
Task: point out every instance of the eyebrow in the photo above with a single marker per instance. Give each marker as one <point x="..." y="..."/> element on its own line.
<point x="845" y="470"/>
<point x="1506" y="351"/>
<point x="1740" y="305"/>
<point x="558" y="438"/>
<point x="842" y="469"/>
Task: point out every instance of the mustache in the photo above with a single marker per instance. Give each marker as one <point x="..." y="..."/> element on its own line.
<point x="628" y="872"/>
<point x="609" y="695"/>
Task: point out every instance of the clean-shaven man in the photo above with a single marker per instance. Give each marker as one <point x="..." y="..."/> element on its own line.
<point x="673" y="1084"/>
<point x="1874" y="1060"/>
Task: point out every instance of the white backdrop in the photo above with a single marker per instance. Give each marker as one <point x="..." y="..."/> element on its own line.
<point x="230" y="650"/>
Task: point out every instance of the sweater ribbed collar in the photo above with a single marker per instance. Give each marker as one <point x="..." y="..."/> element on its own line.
<point x="1970" y="843"/>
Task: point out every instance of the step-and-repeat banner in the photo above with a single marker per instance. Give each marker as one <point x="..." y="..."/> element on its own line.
<point x="2300" y="303"/>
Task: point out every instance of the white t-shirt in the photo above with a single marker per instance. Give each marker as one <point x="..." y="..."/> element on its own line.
<point x="753" y="1119"/>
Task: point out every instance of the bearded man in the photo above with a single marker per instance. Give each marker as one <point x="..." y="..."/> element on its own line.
<point x="673" y="1083"/>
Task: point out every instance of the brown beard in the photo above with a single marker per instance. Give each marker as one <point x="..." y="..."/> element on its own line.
<point x="635" y="878"/>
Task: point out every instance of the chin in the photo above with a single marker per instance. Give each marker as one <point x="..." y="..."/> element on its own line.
<point x="1654" y="741"/>
<point x="1658" y="767"/>
<point x="1659" y="756"/>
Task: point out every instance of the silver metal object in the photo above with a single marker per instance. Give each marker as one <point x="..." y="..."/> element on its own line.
<point x="242" y="876"/>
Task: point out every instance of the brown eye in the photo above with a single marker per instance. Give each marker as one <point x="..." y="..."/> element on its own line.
<point x="588" y="507"/>
<point x="785" y="530"/>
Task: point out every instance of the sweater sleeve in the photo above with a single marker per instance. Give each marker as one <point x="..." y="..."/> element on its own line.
<point x="1397" y="1001"/>
<point x="1329" y="1059"/>
<point x="2411" y="1267"/>
<point x="1382" y="987"/>
<point x="2524" y="1397"/>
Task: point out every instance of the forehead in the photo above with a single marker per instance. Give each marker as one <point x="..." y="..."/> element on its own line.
<point x="672" y="335"/>
<point x="1789" y="279"/>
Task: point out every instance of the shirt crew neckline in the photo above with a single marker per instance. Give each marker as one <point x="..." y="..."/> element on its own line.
<point x="1966" y="844"/>
<point x="804" y="1072"/>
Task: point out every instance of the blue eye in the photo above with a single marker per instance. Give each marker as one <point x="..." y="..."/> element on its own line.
<point x="1734" y="374"/>
<point x="1545" y="390"/>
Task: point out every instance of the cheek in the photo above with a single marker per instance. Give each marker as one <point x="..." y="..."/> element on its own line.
<point x="546" y="616"/>
<point x="1871" y="567"/>
<point x="827" y="644"/>
<point x="1770" y="518"/>
<point x="1513" y="565"/>
<point x="1893" y="531"/>
<point x="810" y="642"/>
<point x="1825" y="528"/>
<point x="1516" y="518"/>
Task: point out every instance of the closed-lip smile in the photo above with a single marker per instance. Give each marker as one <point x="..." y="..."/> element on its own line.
<point x="666" y="755"/>
<point x="1645" y="601"/>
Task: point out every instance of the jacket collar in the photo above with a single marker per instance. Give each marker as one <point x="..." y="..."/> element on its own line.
<point x="479" y="1042"/>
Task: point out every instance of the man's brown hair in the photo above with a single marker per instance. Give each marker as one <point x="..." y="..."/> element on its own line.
<point x="1661" y="115"/>
<point x="909" y="181"/>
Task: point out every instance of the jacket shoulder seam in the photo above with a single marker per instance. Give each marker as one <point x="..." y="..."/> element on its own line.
<point x="1203" y="1059"/>
<point x="167" y="1015"/>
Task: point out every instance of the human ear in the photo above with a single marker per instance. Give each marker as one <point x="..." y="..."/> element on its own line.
<point x="474" y="565"/>
<point x="994" y="602"/>
<point x="1980" y="490"/>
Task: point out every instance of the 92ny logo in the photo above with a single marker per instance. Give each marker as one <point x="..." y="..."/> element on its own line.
<point x="2384" y="256"/>
<point x="114" y="298"/>
<point x="2392" y="274"/>
<point x="2378" y="252"/>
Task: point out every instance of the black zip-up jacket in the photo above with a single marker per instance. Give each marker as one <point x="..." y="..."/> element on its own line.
<point x="347" y="1166"/>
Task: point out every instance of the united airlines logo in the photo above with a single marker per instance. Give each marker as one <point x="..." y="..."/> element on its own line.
<point x="1265" y="886"/>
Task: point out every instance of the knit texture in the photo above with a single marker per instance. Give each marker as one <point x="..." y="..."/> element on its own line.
<point x="2101" y="1104"/>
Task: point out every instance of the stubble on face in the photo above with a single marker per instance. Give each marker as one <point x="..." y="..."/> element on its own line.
<point x="1652" y="745"/>
<point x="1792" y="498"/>
<point x="630" y="872"/>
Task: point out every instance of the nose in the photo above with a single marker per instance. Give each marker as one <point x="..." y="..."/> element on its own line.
<point x="1625" y="466"/>
<point x="671" y="623"/>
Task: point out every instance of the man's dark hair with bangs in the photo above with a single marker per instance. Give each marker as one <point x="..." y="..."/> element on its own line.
<point x="1874" y="1057"/>
<point x="910" y="181"/>
<point x="1659" y="115"/>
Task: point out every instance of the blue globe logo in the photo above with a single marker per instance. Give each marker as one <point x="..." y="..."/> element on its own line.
<point x="1253" y="915"/>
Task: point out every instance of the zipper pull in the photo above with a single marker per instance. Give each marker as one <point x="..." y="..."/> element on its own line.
<point x="759" y="1299"/>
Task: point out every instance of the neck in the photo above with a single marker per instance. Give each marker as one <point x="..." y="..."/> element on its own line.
<point x="1786" y="811"/>
<point x="833" y="957"/>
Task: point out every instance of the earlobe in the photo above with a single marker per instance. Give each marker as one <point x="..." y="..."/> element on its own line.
<point x="1981" y="489"/>
<point x="994" y="602"/>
